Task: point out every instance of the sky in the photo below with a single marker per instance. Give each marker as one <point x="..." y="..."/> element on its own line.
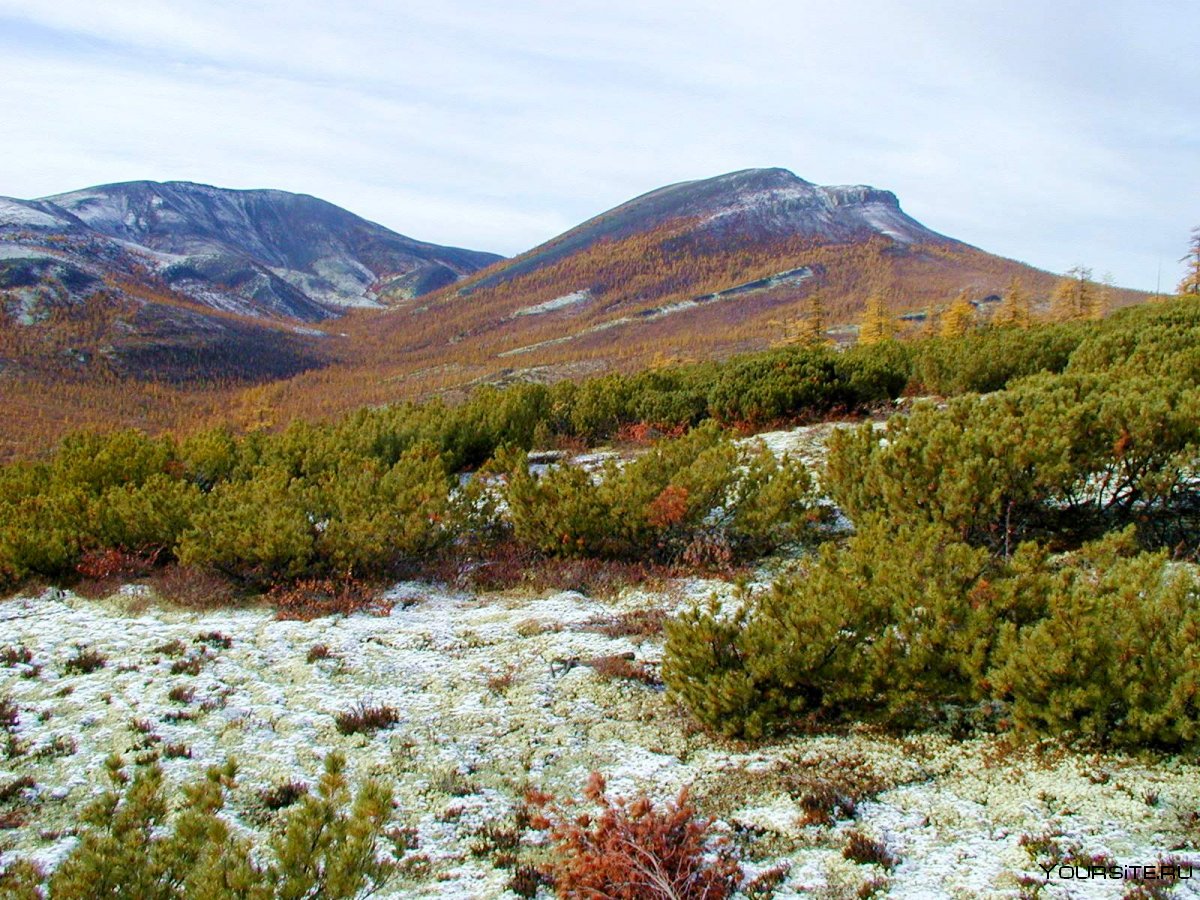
<point x="1056" y="132"/>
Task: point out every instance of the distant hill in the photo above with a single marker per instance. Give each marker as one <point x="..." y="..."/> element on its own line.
<point x="259" y="252"/>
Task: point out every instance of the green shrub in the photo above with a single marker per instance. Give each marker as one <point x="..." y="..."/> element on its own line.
<point x="42" y="534"/>
<point x="767" y="387"/>
<point x="1115" y="660"/>
<point x="95" y="462"/>
<point x="149" y="516"/>
<point x="376" y="517"/>
<point x="598" y="407"/>
<point x="991" y="359"/>
<point x="1152" y="339"/>
<point x="210" y="457"/>
<point x="875" y="373"/>
<point x="887" y="627"/>
<point x="909" y="626"/>
<point x="654" y="506"/>
<point x="1081" y="451"/>
<point x="132" y="845"/>
<point x="261" y="530"/>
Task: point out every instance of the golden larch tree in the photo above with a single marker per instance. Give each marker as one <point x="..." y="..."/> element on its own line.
<point x="1190" y="285"/>
<point x="932" y="323"/>
<point x="959" y="318"/>
<point x="1014" y="310"/>
<point x="809" y="330"/>
<point x="1102" y="298"/>
<point x="1075" y="297"/>
<point x="878" y="324"/>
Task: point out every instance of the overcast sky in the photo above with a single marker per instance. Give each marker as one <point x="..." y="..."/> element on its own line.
<point x="1057" y="133"/>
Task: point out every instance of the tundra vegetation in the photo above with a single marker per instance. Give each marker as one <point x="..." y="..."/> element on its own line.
<point x="1019" y="562"/>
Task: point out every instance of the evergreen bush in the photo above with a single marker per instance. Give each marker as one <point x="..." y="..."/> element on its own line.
<point x="133" y="844"/>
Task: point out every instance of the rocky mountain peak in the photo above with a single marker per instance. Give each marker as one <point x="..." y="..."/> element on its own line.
<point x="255" y="252"/>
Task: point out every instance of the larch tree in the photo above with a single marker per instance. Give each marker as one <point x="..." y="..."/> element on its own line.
<point x="878" y="323"/>
<point x="959" y="318"/>
<point x="810" y="329"/>
<point x="932" y="323"/>
<point x="1075" y="297"/>
<point x="1014" y="310"/>
<point x="1190" y="285"/>
<point x="1102" y="299"/>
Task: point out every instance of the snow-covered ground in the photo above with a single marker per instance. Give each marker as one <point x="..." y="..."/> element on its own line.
<point x="482" y="715"/>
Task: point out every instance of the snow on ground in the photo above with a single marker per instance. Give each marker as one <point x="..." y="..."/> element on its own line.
<point x="806" y="443"/>
<point x="770" y="200"/>
<point x="565" y="301"/>
<point x="482" y="715"/>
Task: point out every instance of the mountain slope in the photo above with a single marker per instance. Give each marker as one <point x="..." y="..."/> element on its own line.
<point x="182" y="281"/>
<point x="756" y="204"/>
<point x="259" y="251"/>
<point x="693" y="270"/>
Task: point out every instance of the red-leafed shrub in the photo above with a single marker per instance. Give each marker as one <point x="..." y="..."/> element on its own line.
<point x="312" y="598"/>
<point x="669" y="508"/>
<point x="113" y="563"/>
<point x="633" y="850"/>
<point x="646" y="432"/>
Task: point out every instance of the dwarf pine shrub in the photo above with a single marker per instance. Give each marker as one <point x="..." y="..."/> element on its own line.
<point x="133" y="844"/>
<point x="1068" y="452"/>
<point x="902" y="626"/>
<point x="657" y="504"/>
<point x="885" y="627"/>
<point x="1116" y="657"/>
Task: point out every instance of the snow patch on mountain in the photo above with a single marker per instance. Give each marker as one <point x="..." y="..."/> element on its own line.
<point x="15" y="212"/>
<point x="575" y="298"/>
<point x="768" y="199"/>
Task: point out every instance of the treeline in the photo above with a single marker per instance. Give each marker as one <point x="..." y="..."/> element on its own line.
<point x="1011" y="567"/>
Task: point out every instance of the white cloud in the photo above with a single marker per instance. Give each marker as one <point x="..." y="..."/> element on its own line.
<point x="1055" y="133"/>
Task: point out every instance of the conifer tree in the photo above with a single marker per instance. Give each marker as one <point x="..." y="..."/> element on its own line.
<point x="878" y="324"/>
<point x="1014" y="309"/>
<point x="959" y="318"/>
<point x="1075" y="297"/>
<point x="932" y="323"/>
<point x="810" y="330"/>
<point x="1189" y="286"/>
<point x="1102" y="298"/>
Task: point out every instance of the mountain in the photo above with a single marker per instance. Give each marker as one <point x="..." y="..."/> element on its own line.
<point x="751" y="205"/>
<point x="184" y="285"/>
<point x="694" y="270"/>
<point x="184" y="282"/>
<point x="258" y="252"/>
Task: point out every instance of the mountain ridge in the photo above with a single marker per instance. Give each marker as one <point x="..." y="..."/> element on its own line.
<point x="209" y="241"/>
<point x="740" y="202"/>
<point x="180" y="281"/>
